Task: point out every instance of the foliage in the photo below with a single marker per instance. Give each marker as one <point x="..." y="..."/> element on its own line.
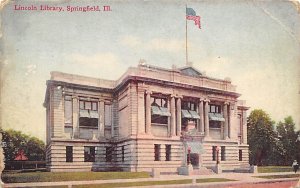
<point x="270" y="144"/>
<point x="33" y="147"/>
<point x="287" y="137"/>
<point x="270" y="169"/>
<point x="69" y="176"/>
<point x="279" y="176"/>
<point x="261" y="136"/>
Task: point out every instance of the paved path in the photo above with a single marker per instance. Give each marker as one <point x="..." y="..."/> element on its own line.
<point x="241" y="178"/>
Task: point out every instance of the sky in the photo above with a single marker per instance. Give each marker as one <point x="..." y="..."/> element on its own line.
<point x="254" y="43"/>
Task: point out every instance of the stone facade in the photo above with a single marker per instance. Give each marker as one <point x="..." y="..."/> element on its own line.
<point x="149" y="118"/>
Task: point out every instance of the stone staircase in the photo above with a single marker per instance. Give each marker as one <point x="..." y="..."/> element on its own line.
<point x="202" y="171"/>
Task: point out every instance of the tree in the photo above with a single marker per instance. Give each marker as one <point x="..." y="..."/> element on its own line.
<point x="288" y="138"/>
<point x="33" y="147"/>
<point x="261" y="137"/>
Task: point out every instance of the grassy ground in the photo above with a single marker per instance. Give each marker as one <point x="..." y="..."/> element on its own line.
<point x="69" y="176"/>
<point x="279" y="176"/>
<point x="269" y="169"/>
<point x="131" y="184"/>
<point x="207" y="180"/>
<point x="149" y="183"/>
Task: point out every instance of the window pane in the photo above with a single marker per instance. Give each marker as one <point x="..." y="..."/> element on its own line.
<point x="214" y="153"/>
<point x="222" y="153"/>
<point x="68" y="112"/>
<point x="123" y="153"/>
<point x="213" y="109"/>
<point x="240" y="155"/>
<point x="108" y="154"/>
<point x="94" y="106"/>
<point x="88" y="105"/>
<point x="69" y="153"/>
<point x="156" y="152"/>
<point x="168" y="152"/>
<point x="81" y="105"/>
<point x="89" y="154"/>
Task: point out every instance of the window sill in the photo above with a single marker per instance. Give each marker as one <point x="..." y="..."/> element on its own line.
<point x="68" y="126"/>
<point x="158" y="124"/>
<point x="88" y="127"/>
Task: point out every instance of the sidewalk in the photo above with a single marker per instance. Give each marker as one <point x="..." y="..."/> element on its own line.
<point x="239" y="177"/>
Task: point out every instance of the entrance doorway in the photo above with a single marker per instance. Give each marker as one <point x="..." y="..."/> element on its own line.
<point x="195" y="160"/>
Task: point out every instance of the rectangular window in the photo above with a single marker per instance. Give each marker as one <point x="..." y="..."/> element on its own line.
<point x="108" y="154"/>
<point x="89" y="154"/>
<point x="215" y="124"/>
<point x="168" y="152"/>
<point x="69" y="153"/>
<point x="81" y="105"/>
<point x="94" y="106"/>
<point x="123" y="153"/>
<point x="240" y="155"/>
<point x="214" y="108"/>
<point x="68" y="110"/>
<point x="108" y="115"/>
<point x="88" y="114"/>
<point x="223" y="153"/>
<point x="159" y="110"/>
<point x="214" y="153"/>
<point x="156" y="152"/>
<point x="87" y="105"/>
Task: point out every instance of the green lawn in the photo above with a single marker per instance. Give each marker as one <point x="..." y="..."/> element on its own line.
<point x="149" y="183"/>
<point x="131" y="184"/>
<point x="279" y="176"/>
<point x="268" y="169"/>
<point x="207" y="180"/>
<point x="69" y="176"/>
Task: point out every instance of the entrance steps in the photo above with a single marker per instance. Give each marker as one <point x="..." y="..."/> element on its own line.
<point x="202" y="171"/>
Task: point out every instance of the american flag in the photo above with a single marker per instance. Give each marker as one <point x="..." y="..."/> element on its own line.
<point x="191" y="15"/>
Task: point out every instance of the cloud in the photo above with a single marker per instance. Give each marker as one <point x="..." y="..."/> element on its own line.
<point x="98" y="60"/>
<point x="156" y="44"/>
<point x="170" y="45"/>
<point x="100" y="65"/>
<point x="30" y="69"/>
<point x="130" y="41"/>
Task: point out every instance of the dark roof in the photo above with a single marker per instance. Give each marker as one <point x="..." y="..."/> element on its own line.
<point x="190" y="71"/>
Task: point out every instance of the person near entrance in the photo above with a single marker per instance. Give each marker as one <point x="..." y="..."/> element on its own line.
<point x="295" y="165"/>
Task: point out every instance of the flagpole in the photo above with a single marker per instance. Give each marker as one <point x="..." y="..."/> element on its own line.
<point x="186" y="51"/>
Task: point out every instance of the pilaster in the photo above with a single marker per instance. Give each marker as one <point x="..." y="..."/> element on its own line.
<point x="75" y="117"/>
<point x="173" y="116"/>
<point x="206" y="118"/>
<point x="225" y="108"/>
<point x="201" y="114"/>
<point x="178" y="120"/>
<point x="101" y="119"/>
<point x="148" y="112"/>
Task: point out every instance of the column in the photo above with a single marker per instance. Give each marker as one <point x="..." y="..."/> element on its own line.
<point x="113" y="105"/>
<point x="229" y="120"/>
<point x="225" y="107"/>
<point x="75" y="117"/>
<point x="178" y="104"/>
<point x="201" y="114"/>
<point x="173" y="116"/>
<point x="244" y="141"/>
<point x="148" y="112"/>
<point x="206" y="119"/>
<point x="101" y="119"/>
